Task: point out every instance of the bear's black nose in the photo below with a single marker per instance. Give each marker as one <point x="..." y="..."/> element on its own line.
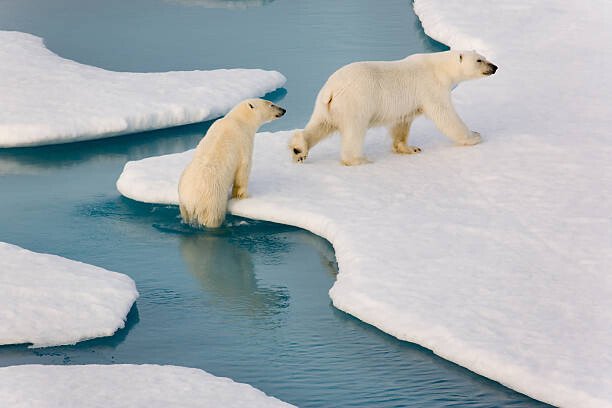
<point x="282" y="112"/>
<point x="492" y="69"/>
<point x="296" y="151"/>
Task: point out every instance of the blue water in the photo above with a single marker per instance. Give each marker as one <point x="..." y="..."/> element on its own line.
<point x="248" y="301"/>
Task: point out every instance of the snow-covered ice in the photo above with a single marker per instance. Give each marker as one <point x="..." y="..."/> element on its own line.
<point x="48" y="300"/>
<point x="151" y="386"/>
<point x="497" y="256"/>
<point x="47" y="99"/>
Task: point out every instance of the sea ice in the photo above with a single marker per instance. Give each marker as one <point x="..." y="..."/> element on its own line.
<point x="47" y="99"/>
<point x="151" y="386"/>
<point x="48" y="300"/>
<point x="496" y="257"/>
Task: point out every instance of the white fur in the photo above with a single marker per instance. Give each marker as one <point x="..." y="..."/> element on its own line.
<point x="222" y="159"/>
<point x="391" y="93"/>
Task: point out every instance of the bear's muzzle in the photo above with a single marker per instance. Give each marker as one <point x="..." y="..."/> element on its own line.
<point x="281" y="112"/>
<point x="492" y="68"/>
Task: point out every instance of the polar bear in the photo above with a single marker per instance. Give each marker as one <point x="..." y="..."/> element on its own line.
<point x="391" y="93"/>
<point x="222" y="159"/>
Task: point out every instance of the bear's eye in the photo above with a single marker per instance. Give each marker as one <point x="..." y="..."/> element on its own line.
<point x="252" y="107"/>
<point x="478" y="60"/>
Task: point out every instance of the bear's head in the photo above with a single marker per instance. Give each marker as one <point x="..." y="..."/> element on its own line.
<point x="260" y="111"/>
<point x="473" y="65"/>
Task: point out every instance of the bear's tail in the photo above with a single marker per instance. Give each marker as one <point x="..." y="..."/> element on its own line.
<point x="323" y="103"/>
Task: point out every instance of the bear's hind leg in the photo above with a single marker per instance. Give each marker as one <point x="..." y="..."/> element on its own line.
<point x="184" y="214"/>
<point x="304" y="140"/>
<point x="399" y="133"/>
<point x="314" y="133"/>
<point x="353" y="138"/>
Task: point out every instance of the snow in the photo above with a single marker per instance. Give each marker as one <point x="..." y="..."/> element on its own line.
<point x="48" y="300"/>
<point x="496" y="257"/>
<point x="151" y="386"/>
<point x="47" y="99"/>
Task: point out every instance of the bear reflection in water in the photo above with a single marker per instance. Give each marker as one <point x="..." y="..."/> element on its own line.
<point x="226" y="271"/>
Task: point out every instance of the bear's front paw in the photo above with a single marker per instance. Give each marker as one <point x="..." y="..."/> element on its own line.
<point x="472" y="140"/>
<point x="406" y="149"/>
<point x="299" y="155"/>
<point x="240" y="194"/>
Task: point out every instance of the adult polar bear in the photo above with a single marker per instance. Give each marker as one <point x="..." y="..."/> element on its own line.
<point x="391" y="93"/>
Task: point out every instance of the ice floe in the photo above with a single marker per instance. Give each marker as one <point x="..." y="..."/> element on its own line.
<point x="151" y="386"/>
<point x="47" y="99"/>
<point x="496" y="257"/>
<point x="48" y="300"/>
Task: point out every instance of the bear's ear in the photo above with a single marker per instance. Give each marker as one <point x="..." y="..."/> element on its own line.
<point x="252" y="107"/>
<point x="460" y="58"/>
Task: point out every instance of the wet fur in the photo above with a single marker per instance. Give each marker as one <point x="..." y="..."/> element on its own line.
<point x="222" y="163"/>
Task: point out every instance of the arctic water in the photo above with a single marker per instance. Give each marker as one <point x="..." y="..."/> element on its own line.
<point x="248" y="301"/>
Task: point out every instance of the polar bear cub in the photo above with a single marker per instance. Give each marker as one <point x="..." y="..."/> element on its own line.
<point x="222" y="159"/>
<point x="391" y="93"/>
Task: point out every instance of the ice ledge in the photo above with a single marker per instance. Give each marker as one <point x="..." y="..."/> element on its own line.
<point x="47" y="99"/>
<point x="48" y="300"/>
<point x="435" y="250"/>
<point x="151" y="386"/>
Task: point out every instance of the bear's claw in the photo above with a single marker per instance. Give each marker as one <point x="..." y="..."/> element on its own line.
<point x="299" y="156"/>
<point x="471" y="140"/>
<point x="405" y="149"/>
<point x="356" y="161"/>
